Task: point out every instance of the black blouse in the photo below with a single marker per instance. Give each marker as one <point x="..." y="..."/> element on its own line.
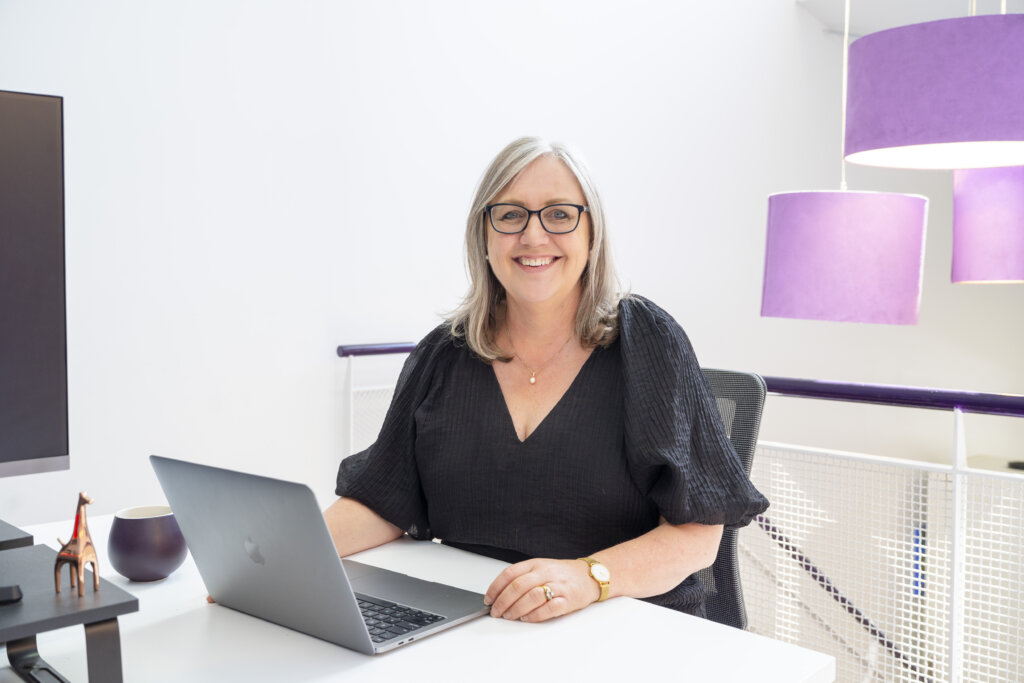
<point x="636" y="435"/>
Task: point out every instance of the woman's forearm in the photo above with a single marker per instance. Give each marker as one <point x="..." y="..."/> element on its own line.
<point x="355" y="527"/>
<point x="651" y="564"/>
<point x="659" y="560"/>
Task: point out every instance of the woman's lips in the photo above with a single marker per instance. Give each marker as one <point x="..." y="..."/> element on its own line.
<point x="535" y="261"/>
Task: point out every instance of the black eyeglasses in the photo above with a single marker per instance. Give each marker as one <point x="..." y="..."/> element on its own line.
<point x="558" y="219"/>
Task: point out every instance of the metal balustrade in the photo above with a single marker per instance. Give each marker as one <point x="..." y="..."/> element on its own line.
<point x="903" y="570"/>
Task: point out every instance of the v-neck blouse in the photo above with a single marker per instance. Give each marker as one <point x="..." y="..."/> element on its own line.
<point x="637" y="435"/>
<point x="565" y="490"/>
<point x="504" y="402"/>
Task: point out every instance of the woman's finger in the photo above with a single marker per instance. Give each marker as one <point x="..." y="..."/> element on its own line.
<point x="531" y="600"/>
<point x="519" y="589"/>
<point x="555" y="607"/>
<point x="513" y="591"/>
<point x="502" y="580"/>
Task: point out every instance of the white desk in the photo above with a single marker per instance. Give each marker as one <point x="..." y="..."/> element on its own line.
<point x="176" y="636"/>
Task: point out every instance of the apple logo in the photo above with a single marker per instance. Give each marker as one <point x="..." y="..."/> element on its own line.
<point x="253" y="551"/>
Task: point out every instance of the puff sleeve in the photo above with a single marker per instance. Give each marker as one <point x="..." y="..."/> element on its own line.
<point x="676" y="446"/>
<point x="385" y="477"/>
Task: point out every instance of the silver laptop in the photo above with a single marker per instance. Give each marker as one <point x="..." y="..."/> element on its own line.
<point x="262" y="547"/>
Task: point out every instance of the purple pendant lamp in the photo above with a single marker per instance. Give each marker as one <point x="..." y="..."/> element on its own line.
<point x="844" y="256"/>
<point x="988" y="225"/>
<point x="944" y="94"/>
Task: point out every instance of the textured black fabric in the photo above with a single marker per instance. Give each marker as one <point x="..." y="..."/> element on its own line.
<point x="636" y="435"/>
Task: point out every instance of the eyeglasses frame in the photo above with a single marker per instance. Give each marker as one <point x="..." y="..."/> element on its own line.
<point x="529" y="214"/>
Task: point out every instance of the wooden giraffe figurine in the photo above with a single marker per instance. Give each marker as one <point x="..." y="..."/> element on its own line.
<point x="78" y="552"/>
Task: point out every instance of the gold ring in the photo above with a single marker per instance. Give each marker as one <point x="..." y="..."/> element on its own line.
<point x="547" y="592"/>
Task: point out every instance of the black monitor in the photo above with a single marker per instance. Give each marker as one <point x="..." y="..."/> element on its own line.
<point x="33" y="321"/>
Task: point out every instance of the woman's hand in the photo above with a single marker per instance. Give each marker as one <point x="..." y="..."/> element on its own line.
<point x="518" y="591"/>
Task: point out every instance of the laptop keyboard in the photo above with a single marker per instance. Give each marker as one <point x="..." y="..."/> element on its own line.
<point x="387" y="620"/>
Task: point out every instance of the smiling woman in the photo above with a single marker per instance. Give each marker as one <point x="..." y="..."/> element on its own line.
<point x="551" y="422"/>
<point x="553" y="175"/>
<point x="534" y="266"/>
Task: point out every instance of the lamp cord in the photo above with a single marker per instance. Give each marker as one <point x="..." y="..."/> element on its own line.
<point x="972" y="7"/>
<point x="846" y="68"/>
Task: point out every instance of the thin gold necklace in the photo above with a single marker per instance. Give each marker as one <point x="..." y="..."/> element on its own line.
<point x="533" y="373"/>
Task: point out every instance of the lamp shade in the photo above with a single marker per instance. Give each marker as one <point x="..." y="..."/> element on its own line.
<point x="988" y="225"/>
<point x="844" y="256"/>
<point x="939" y="95"/>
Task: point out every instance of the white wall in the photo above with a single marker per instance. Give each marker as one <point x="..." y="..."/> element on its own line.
<point x="250" y="184"/>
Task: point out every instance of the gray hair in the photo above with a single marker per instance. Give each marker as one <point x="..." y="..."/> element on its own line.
<point x="475" y="319"/>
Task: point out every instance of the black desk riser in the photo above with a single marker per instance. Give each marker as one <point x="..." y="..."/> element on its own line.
<point x="13" y="537"/>
<point x="43" y="609"/>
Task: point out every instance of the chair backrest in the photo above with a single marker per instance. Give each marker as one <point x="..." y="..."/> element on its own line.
<point x="740" y="398"/>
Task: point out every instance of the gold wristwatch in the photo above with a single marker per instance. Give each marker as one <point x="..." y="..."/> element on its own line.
<point x="599" y="573"/>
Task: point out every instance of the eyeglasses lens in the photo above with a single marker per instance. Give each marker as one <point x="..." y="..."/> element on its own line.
<point x="560" y="217"/>
<point x="508" y="217"/>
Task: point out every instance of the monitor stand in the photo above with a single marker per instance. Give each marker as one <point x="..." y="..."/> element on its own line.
<point x="13" y="537"/>
<point x="44" y="610"/>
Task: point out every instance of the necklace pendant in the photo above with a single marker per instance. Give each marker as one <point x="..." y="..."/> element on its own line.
<point x="533" y="378"/>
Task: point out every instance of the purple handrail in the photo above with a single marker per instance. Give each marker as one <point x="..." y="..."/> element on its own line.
<point x="375" y="349"/>
<point x="1011" y="405"/>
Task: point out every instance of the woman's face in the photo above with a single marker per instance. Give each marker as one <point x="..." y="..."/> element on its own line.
<point x="535" y="266"/>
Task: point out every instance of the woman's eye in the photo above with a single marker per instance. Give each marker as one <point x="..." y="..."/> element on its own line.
<point x="511" y="216"/>
<point x="556" y="215"/>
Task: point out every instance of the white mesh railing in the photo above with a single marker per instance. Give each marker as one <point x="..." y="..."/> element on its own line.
<point x="993" y="560"/>
<point x="858" y="555"/>
<point x="368" y="401"/>
<point x="368" y="408"/>
<point x="851" y="559"/>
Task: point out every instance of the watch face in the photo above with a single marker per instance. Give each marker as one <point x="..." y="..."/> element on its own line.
<point x="600" y="572"/>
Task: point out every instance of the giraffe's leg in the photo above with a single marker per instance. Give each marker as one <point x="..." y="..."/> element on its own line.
<point x="95" y="575"/>
<point x="56" y="576"/>
<point x="81" y="577"/>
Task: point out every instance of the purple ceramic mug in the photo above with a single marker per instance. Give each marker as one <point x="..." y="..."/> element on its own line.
<point x="145" y="543"/>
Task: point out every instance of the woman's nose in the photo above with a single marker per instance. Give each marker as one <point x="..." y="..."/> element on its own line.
<point x="534" y="232"/>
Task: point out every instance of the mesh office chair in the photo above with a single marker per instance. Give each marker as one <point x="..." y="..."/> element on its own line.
<point x="740" y="398"/>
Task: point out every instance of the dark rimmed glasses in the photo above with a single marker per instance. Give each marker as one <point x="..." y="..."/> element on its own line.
<point x="558" y="219"/>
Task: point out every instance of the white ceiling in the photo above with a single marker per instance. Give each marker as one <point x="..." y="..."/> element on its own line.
<point x="868" y="16"/>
